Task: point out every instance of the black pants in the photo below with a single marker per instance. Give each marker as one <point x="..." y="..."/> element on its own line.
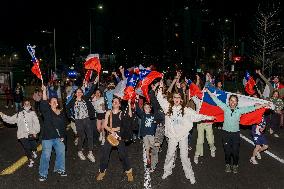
<point x="29" y="146"/>
<point x="8" y="102"/>
<point x="84" y="127"/>
<point x="231" y="145"/>
<point x="274" y="122"/>
<point x="95" y="132"/>
<point x="105" y="154"/>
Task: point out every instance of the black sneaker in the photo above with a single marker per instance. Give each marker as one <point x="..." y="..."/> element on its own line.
<point x="62" y="173"/>
<point x="42" y="178"/>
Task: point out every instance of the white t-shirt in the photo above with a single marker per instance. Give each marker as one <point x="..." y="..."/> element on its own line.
<point x="99" y="104"/>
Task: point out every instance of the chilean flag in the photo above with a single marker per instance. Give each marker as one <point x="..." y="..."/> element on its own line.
<point x="88" y="75"/>
<point x="209" y="107"/>
<point x="249" y="87"/>
<point x="93" y="64"/>
<point x="194" y="89"/>
<point x="36" y="70"/>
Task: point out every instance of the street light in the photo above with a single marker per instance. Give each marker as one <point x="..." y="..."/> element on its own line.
<point x="54" y="45"/>
<point x="100" y="7"/>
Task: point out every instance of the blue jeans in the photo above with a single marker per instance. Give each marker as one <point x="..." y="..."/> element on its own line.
<point x="45" y="156"/>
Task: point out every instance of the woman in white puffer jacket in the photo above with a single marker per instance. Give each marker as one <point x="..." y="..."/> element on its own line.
<point x="178" y="122"/>
<point x="28" y="128"/>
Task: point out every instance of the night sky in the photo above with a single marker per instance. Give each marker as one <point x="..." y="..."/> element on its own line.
<point x="137" y="22"/>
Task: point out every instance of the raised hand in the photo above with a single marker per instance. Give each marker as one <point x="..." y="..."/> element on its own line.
<point x="96" y="80"/>
<point x="178" y="84"/>
<point x="43" y="88"/>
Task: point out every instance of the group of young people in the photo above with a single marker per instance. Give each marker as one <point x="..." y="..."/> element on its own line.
<point x="169" y="114"/>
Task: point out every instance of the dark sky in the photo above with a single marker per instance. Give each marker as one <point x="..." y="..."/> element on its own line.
<point x="138" y="22"/>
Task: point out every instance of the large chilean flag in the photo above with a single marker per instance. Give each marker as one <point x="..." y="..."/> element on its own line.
<point x="209" y="107"/>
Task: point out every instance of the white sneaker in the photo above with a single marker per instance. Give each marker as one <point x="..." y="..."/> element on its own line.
<point x="195" y="159"/>
<point x="253" y="161"/>
<point x="34" y="155"/>
<point x="276" y="135"/>
<point x="164" y="176"/>
<point x="31" y="164"/>
<point x="81" y="155"/>
<point x="91" y="157"/>
<point x="213" y="154"/>
<point x="258" y="156"/>
<point x="192" y="181"/>
<point x="101" y="136"/>
<point x="76" y="141"/>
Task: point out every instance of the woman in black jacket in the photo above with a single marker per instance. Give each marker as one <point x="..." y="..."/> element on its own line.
<point x="82" y="111"/>
<point x="53" y="133"/>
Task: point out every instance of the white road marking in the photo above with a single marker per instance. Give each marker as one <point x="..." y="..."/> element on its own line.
<point x="266" y="151"/>
<point x="147" y="177"/>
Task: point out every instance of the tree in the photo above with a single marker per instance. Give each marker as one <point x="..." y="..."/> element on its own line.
<point x="266" y="40"/>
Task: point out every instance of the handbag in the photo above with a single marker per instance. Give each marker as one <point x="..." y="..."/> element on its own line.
<point x="113" y="140"/>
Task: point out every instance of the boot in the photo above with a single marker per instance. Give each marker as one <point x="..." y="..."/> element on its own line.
<point x="129" y="175"/>
<point x="101" y="175"/>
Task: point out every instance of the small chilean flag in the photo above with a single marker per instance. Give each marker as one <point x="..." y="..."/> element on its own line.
<point x="249" y="87"/>
<point x="93" y="63"/>
<point x="194" y="89"/>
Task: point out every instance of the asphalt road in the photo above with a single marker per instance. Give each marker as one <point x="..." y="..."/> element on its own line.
<point x="209" y="173"/>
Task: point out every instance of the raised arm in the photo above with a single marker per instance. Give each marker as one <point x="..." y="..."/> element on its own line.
<point x="216" y="100"/>
<point x="44" y="94"/>
<point x="121" y="69"/>
<point x="153" y="98"/>
<point x="129" y="108"/>
<point x="176" y="79"/>
<point x="9" y="119"/>
<point x="266" y="81"/>
<point x="92" y="89"/>
<point x="138" y="110"/>
<point x="162" y="101"/>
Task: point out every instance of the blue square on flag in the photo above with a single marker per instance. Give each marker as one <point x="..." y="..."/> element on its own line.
<point x="221" y="95"/>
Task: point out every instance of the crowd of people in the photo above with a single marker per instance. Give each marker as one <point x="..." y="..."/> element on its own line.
<point x="96" y="111"/>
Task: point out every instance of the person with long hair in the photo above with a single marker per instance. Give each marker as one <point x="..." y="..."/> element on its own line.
<point x="82" y="111"/>
<point x="28" y="128"/>
<point x="115" y="125"/>
<point x="178" y="122"/>
<point x="99" y="105"/>
<point x="53" y="135"/>
<point x="231" y="128"/>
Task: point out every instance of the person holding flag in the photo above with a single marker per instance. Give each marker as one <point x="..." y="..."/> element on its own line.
<point x="231" y="127"/>
<point x="204" y="126"/>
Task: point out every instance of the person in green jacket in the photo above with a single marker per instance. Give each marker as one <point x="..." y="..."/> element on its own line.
<point x="231" y="128"/>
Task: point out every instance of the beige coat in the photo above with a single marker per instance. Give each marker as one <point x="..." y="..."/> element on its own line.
<point x="32" y="127"/>
<point x="177" y="126"/>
